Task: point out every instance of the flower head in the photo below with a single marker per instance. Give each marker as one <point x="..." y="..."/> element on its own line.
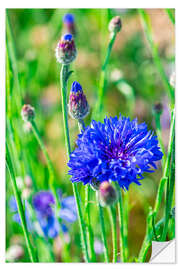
<point x="78" y="105"/>
<point x="107" y="194"/>
<point x="66" y="50"/>
<point x="27" y="113"/>
<point x="116" y="150"/>
<point x="69" y="24"/>
<point x="115" y="24"/>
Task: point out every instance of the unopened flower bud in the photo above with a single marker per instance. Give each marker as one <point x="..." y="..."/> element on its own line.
<point x="69" y="25"/>
<point x="28" y="181"/>
<point x="95" y="184"/>
<point x="157" y="108"/>
<point x="173" y="79"/>
<point x="14" y="253"/>
<point x="107" y="194"/>
<point x="26" y="193"/>
<point x="78" y="105"/>
<point x="66" y="50"/>
<point x="115" y="24"/>
<point x="27" y="113"/>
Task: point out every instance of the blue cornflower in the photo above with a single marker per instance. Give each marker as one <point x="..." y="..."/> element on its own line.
<point x="44" y="204"/>
<point x="116" y="150"/>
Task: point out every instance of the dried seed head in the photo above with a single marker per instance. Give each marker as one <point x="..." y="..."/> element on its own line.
<point x="78" y="105"/>
<point x="107" y="194"/>
<point x="115" y="24"/>
<point x="66" y="50"/>
<point x="27" y="113"/>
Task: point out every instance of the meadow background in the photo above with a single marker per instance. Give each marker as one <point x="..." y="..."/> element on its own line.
<point x="134" y="85"/>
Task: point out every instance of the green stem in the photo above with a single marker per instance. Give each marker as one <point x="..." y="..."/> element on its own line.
<point x="171" y="15"/>
<point x="148" y="237"/>
<point x="51" y="182"/>
<point x="90" y="235"/>
<point x="21" y="210"/>
<point x="103" y="73"/>
<point x="123" y="239"/>
<point x="103" y="232"/>
<point x="112" y="215"/>
<point x="171" y="179"/>
<point x="164" y="179"/>
<point x="147" y="240"/>
<point x="88" y="224"/>
<point x="48" y="160"/>
<point x="63" y="80"/>
<point x="154" y="50"/>
<point x="159" y="134"/>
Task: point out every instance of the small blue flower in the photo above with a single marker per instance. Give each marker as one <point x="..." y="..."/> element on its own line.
<point x="68" y="18"/>
<point x="116" y="150"/>
<point x="44" y="204"/>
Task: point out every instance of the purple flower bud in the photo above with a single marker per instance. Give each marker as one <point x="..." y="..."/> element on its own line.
<point x="69" y="25"/>
<point x="95" y="184"/>
<point x="107" y="194"/>
<point x="27" y="113"/>
<point x="78" y="105"/>
<point x="157" y="108"/>
<point x="115" y="24"/>
<point x="66" y="50"/>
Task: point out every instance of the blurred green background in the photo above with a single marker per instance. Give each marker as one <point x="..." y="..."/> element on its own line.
<point x="134" y="84"/>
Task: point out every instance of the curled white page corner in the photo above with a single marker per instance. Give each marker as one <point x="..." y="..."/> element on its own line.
<point x="163" y="252"/>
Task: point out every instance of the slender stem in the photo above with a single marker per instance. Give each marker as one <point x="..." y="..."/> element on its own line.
<point x="148" y="237"/>
<point x="90" y="235"/>
<point x="123" y="240"/>
<point x="21" y="210"/>
<point x="103" y="73"/>
<point x="49" y="163"/>
<point x="63" y="80"/>
<point x="147" y="240"/>
<point x="51" y="182"/>
<point x="170" y="182"/>
<point x="112" y="215"/>
<point x="154" y="50"/>
<point x="164" y="179"/>
<point x="171" y="15"/>
<point x="125" y="227"/>
<point x="159" y="134"/>
<point x="81" y="124"/>
<point x="103" y="231"/>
